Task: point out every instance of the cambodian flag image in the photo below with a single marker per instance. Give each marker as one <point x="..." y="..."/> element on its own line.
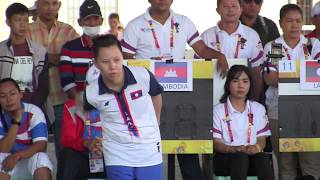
<point x="312" y="71"/>
<point x="171" y="72"/>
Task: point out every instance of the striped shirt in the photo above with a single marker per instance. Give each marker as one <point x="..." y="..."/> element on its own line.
<point x="53" y="40"/>
<point x="33" y="127"/>
<point x="74" y="63"/>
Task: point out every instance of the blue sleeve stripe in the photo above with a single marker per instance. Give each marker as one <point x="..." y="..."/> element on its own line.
<point x="155" y="87"/>
<point x="40" y="130"/>
<point x="85" y="133"/>
<point x="2" y="132"/>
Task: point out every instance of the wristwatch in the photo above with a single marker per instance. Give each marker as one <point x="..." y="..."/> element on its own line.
<point x="13" y="121"/>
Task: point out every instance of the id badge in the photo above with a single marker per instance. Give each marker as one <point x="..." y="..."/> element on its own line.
<point x="96" y="163"/>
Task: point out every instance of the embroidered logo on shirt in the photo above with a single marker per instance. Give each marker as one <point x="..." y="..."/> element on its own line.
<point x="136" y="94"/>
<point x="242" y="42"/>
<point x="260" y="46"/>
<point x="145" y="29"/>
<point x="176" y="25"/>
<point x="106" y="103"/>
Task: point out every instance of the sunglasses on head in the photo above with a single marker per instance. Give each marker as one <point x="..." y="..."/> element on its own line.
<point x="255" y="1"/>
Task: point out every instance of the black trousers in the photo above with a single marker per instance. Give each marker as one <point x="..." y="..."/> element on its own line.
<point x="236" y="165"/>
<point x="74" y="165"/>
<point x="190" y="166"/>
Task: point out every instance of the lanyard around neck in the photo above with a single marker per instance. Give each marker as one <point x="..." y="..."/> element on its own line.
<point x="156" y="42"/>
<point x="305" y="52"/>
<point x="228" y="119"/>
<point x="218" y="44"/>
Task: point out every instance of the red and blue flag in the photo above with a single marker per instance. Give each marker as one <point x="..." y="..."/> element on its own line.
<point x="312" y="71"/>
<point x="171" y="72"/>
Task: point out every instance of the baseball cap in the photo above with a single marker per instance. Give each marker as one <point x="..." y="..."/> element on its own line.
<point x="90" y="8"/>
<point x="316" y="9"/>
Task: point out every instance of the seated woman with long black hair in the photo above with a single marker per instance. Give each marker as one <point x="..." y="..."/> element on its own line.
<point x="23" y="136"/>
<point x="240" y="128"/>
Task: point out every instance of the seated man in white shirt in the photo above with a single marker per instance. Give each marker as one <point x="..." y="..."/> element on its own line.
<point x="294" y="47"/>
<point x="236" y="40"/>
<point x="161" y="34"/>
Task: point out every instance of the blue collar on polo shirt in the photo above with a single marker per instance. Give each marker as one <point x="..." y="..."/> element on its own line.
<point x="128" y="80"/>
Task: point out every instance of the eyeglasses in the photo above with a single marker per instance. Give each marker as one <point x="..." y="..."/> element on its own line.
<point x="255" y="1"/>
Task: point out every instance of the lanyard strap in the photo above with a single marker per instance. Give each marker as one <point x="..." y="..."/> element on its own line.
<point x="228" y="119"/>
<point x="287" y="53"/>
<point x="88" y="123"/>
<point x="305" y="51"/>
<point x="156" y="42"/>
<point x="250" y="125"/>
<point x="218" y="44"/>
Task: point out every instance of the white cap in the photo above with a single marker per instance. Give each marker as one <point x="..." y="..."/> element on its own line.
<point x="92" y="74"/>
<point x="34" y="7"/>
<point x="316" y="9"/>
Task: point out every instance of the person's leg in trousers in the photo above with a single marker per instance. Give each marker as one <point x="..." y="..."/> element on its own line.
<point x="190" y="166"/>
<point x="221" y="164"/>
<point x="58" y="112"/>
<point x="72" y="165"/>
<point x="288" y="166"/>
<point x="262" y="166"/>
<point x="274" y="123"/>
<point x="310" y="163"/>
<point x="239" y="166"/>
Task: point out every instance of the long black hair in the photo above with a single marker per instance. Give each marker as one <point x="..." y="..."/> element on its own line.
<point x="234" y="73"/>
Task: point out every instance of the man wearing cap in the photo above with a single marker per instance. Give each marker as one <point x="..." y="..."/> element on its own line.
<point x="76" y="57"/>
<point x="315" y="17"/>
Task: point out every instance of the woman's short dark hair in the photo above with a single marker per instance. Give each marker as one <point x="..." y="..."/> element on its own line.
<point x="234" y="72"/>
<point x="12" y="81"/>
<point x="114" y="16"/>
<point x="107" y="40"/>
<point x="287" y="8"/>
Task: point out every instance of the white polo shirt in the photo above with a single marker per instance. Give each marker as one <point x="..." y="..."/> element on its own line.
<point x="139" y="38"/>
<point x="131" y="135"/>
<point x="297" y="53"/>
<point x="239" y="123"/>
<point x="243" y="43"/>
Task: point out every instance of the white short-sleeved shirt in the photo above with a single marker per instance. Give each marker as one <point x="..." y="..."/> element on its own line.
<point x="134" y="144"/>
<point x="297" y="53"/>
<point x="249" y="46"/>
<point x="239" y="123"/>
<point x="138" y="37"/>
